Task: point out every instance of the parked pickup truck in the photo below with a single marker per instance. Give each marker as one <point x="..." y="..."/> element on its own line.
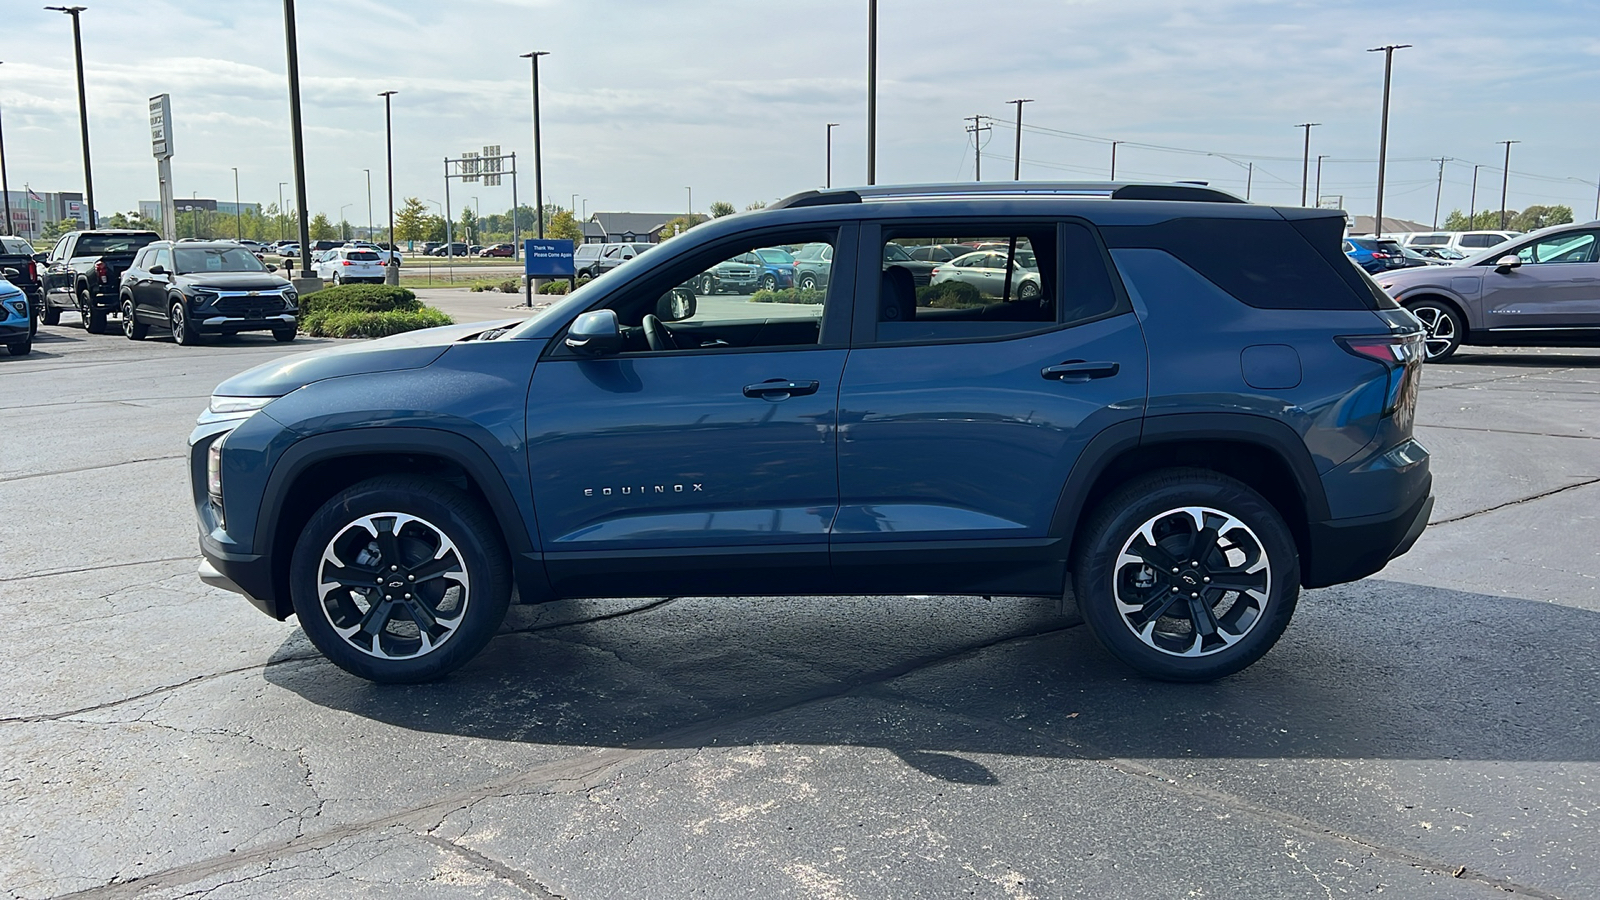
<point x="16" y="255"/>
<point x="84" y="270"/>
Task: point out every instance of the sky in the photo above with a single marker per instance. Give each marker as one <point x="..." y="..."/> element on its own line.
<point x="651" y="105"/>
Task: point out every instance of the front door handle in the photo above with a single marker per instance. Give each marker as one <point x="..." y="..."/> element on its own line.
<point x="780" y="389"/>
<point x="1078" y="371"/>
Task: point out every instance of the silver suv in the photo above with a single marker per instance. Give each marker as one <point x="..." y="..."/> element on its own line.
<point x="1542" y="288"/>
<point x="594" y="260"/>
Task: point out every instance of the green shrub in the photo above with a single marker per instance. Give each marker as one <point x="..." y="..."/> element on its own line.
<point x="789" y="295"/>
<point x="355" y="323"/>
<point x="562" y="286"/>
<point x="949" y="295"/>
<point x="360" y="298"/>
<point x="511" y="286"/>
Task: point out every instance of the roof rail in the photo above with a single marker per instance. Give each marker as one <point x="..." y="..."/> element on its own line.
<point x="1114" y="190"/>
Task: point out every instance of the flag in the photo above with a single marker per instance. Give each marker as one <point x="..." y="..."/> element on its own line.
<point x="34" y="197"/>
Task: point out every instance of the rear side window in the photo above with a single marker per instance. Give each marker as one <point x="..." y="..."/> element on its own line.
<point x="1264" y="263"/>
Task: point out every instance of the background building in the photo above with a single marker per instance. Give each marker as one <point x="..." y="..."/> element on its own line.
<point x="151" y="209"/>
<point x="628" y="227"/>
<point x="32" y="211"/>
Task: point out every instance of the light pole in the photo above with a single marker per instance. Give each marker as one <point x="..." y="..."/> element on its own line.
<point x="391" y="272"/>
<point x="5" y="186"/>
<point x="299" y="142"/>
<point x="538" y="170"/>
<point x="1439" y="191"/>
<point x="1505" y="181"/>
<point x="1305" y="161"/>
<point x="369" y="203"/>
<point x="1114" y="159"/>
<point x="1383" y="132"/>
<point x="1318" y="198"/>
<point x="1472" y="204"/>
<point x="477" y="222"/>
<point x="281" y="216"/>
<point x="828" y="177"/>
<point x="691" y="199"/>
<point x="238" y="211"/>
<point x="83" y="109"/>
<point x="1016" y="171"/>
<point x="872" y="91"/>
<point x="343" y="235"/>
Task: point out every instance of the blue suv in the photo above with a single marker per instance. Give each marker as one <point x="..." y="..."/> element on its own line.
<point x="1176" y="439"/>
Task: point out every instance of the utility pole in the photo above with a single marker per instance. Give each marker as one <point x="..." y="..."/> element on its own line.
<point x="83" y="110"/>
<point x="296" y="132"/>
<point x="1016" y="173"/>
<point x="391" y="271"/>
<point x="1439" y="191"/>
<point x="1114" y="159"/>
<point x="976" y="131"/>
<point x="1383" y="132"/>
<point x="369" y="203"/>
<point x="1320" y="158"/>
<point x="1472" y="205"/>
<point x="1305" y="162"/>
<point x="281" y="217"/>
<point x="238" y="211"/>
<point x="872" y="92"/>
<point x="1505" y="182"/>
<point x="1249" y="178"/>
<point x="828" y="181"/>
<point x="5" y="186"/>
<point x="538" y="165"/>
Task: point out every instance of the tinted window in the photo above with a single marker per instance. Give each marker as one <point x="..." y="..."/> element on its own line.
<point x="1481" y="241"/>
<point x="102" y="244"/>
<point x="364" y="256"/>
<point x="1263" y="263"/>
<point x="1430" y="240"/>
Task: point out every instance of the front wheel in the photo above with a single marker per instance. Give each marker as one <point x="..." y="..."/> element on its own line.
<point x="1186" y="575"/>
<point x="400" y="579"/>
<point x="182" y="331"/>
<point x="1443" y="326"/>
<point x="50" y="315"/>
<point x="132" y="328"/>
<point x="283" y="335"/>
<point x="769" y="282"/>
<point x="20" y="348"/>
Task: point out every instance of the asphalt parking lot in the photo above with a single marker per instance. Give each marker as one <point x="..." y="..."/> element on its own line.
<point x="1432" y="731"/>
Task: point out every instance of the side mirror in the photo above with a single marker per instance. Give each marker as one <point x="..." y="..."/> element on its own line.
<point x="41" y="257"/>
<point x="676" y="305"/>
<point x="158" y="270"/>
<point x="595" y="333"/>
<point x="1507" y="263"/>
<point x="272" y="268"/>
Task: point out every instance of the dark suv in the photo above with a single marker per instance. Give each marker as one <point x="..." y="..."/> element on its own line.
<point x="1178" y="439"/>
<point x="197" y="288"/>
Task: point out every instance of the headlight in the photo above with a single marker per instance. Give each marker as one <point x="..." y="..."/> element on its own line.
<point x="214" y="469"/>
<point x="223" y="406"/>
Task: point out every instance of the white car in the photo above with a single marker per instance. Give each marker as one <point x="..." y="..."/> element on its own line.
<point x="349" y="265"/>
<point x="986" y="271"/>
<point x="385" y="255"/>
<point x="1467" y="242"/>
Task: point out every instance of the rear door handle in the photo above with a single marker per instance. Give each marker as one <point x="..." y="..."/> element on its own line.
<point x="780" y="389"/>
<point x="1077" y="370"/>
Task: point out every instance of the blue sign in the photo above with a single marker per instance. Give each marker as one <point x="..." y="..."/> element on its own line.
<point x="547" y="258"/>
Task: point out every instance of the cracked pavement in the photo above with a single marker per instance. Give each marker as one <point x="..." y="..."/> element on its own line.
<point x="1430" y="731"/>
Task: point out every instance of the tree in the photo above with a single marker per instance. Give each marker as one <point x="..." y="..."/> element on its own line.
<point x="564" y="227"/>
<point x="322" y="229"/>
<point x="678" y="226"/>
<point x="116" y="220"/>
<point x="467" y="227"/>
<point x="722" y="208"/>
<point x="411" y="221"/>
<point x="1535" y="217"/>
<point x="434" y="228"/>
<point x="56" y="229"/>
<point x="759" y="204"/>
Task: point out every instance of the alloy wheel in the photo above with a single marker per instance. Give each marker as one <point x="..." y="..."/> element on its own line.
<point x="393" y="586"/>
<point x="1192" y="581"/>
<point x="1440" y="329"/>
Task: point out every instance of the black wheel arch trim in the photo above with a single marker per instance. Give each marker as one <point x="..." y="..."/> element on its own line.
<point x="1116" y="440"/>
<point x="528" y="566"/>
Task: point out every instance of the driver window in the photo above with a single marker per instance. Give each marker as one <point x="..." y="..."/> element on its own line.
<point x="742" y="296"/>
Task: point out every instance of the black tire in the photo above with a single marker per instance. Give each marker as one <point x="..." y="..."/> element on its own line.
<point x="50" y="315"/>
<point x="94" y="320"/>
<point x="21" y="348"/>
<point x="183" y="332"/>
<point x="808" y="282"/>
<point x="769" y="282"/>
<point x="1027" y="291"/>
<point x="464" y="622"/>
<point x="132" y="328"/>
<point x="283" y="335"/>
<point x="1242" y="626"/>
<point x="335" y="279"/>
<point x="1444" y="327"/>
<point x="705" y="285"/>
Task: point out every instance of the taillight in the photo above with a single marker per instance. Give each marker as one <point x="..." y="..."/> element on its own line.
<point x="348" y="263"/>
<point x="934" y="272"/>
<point x="101" y="269"/>
<point x="1379" y="254"/>
<point x="33" y="271"/>
<point x="1402" y="355"/>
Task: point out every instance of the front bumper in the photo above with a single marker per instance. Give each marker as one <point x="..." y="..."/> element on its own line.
<point x="11" y="332"/>
<point x="220" y="324"/>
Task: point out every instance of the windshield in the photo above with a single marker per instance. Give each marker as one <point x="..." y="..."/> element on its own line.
<point x="216" y="259"/>
<point x="893" y="252"/>
<point x="775" y="256"/>
<point x="102" y="244"/>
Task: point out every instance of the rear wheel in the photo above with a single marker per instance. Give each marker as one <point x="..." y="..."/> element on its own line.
<point x="1186" y="575"/>
<point x="1444" y="327"/>
<point x="808" y="282"/>
<point x="50" y="315"/>
<point x="94" y="320"/>
<point x="132" y="328"/>
<point x="400" y="579"/>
